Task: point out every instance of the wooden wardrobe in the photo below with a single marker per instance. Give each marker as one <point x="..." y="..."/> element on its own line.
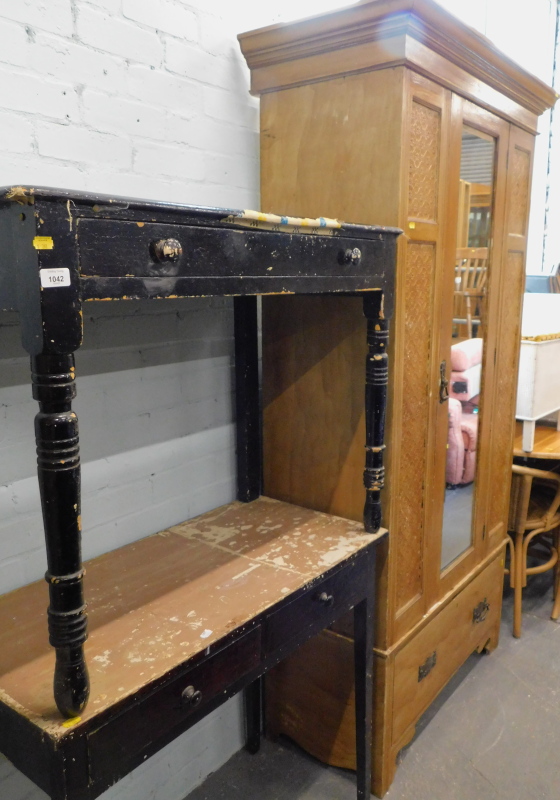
<point x="392" y="112"/>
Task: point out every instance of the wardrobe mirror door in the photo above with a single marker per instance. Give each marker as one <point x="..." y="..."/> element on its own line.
<point x="464" y="391"/>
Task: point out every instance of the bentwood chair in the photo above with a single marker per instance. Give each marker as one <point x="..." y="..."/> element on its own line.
<point x="533" y="531"/>
<point x="470" y="290"/>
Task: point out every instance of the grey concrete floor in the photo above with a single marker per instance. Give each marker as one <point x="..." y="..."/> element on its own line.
<point x="493" y="733"/>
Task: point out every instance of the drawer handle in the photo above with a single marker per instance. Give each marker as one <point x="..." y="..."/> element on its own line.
<point x="443" y="383"/>
<point x="480" y="612"/>
<point x="353" y="257"/>
<point x="191" y="697"/>
<point x="166" y="250"/>
<point x="428" y="665"/>
<point x="325" y="599"/>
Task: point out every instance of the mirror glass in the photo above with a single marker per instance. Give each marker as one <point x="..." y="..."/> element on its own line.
<point x="466" y="348"/>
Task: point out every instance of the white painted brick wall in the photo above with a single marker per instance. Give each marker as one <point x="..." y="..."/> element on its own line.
<point x="146" y="98"/>
<point x="163" y="15"/>
<point x="75" y="143"/>
<point x="35" y="95"/>
<point x="116" y="95"/>
<point x="104" y="31"/>
<point x="48" y="15"/>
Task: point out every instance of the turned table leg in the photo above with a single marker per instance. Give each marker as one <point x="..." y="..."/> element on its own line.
<point x="375" y="405"/>
<point x="58" y="468"/>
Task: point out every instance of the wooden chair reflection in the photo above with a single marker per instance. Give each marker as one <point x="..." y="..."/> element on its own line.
<point x="533" y="530"/>
<point x="470" y="291"/>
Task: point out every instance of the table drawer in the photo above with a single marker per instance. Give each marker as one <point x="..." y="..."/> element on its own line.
<point x="110" y="248"/>
<point x="428" y="661"/>
<point x="317" y="608"/>
<point x="122" y="740"/>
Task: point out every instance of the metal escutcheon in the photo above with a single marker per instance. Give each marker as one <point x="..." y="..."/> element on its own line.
<point x="428" y="665"/>
<point x="443" y="383"/>
<point x="480" y="612"/>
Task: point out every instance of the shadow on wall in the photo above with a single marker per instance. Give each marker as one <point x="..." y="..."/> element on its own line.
<point x="169" y="365"/>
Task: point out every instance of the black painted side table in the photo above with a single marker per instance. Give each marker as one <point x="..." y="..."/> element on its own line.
<point x="59" y="251"/>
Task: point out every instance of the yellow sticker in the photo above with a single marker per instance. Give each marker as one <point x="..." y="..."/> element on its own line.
<point x="43" y="243"/>
<point x="71" y="722"/>
<point x="412" y="225"/>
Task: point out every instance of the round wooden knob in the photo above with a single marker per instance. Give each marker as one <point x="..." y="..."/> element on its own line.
<point x="191" y="696"/>
<point x="353" y="256"/>
<point x="166" y="250"/>
<point x="326" y="599"/>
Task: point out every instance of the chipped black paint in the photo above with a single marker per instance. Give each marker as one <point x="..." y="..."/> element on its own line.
<point x="109" y="247"/>
<point x="375" y="406"/>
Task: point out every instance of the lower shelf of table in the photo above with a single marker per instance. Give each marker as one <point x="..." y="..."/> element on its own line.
<point x="179" y="622"/>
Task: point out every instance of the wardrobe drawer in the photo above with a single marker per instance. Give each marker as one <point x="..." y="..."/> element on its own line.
<point x="427" y="662"/>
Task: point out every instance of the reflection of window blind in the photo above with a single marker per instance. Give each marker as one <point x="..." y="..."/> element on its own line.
<point x="477" y="160"/>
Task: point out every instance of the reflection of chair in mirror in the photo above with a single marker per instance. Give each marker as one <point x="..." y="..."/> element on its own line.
<point x="534" y="530"/>
<point x="461" y="445"/>
<point x="464" y="390"/>
<point x="466" y="371"/>
<point x="470" y="291"/>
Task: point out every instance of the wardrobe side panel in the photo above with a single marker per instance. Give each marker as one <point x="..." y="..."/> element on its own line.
<point x="507" y="354"/>
<point x="332" y="148"/>
<point x="313" y="377"/>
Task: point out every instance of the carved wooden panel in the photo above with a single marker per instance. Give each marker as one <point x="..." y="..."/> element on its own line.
<point x="506" y="389"/>
<point x="416" y="328"/>
<point x="520" y="175"/>
<point x="424" y="148"/>
<point x="518" y="181"/>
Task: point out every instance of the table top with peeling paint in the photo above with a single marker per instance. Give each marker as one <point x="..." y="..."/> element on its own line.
<point x="163" y="600"/>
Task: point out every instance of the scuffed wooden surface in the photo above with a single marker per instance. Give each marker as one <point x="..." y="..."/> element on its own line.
<point x="159" y="602"/>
